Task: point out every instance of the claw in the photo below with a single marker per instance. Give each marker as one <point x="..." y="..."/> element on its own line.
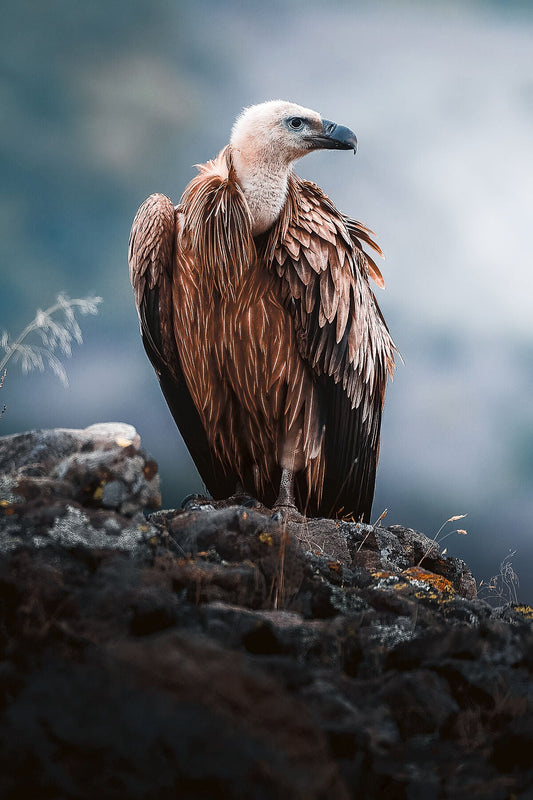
<point x="242" y="498"/>
<point x="286" y="513"/>
<point x="192" y="500"/>
<point x="250" y="502"/>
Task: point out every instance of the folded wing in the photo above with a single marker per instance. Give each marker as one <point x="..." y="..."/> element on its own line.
<point x="341" y="333"/>
<point x="152" y="259"/>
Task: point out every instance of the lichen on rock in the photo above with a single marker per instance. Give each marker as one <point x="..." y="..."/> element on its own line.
<point x="217" y="651"/>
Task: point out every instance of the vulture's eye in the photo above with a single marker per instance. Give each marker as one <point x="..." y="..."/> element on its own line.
<point x="296" y="123"/>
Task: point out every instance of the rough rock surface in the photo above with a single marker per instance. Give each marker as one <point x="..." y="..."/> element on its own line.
<point x="218" y="651"/>
<point x="76" y="486"/>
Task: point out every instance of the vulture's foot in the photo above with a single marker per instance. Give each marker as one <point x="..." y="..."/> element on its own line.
<point x="285" y="506"/>
<point x="242" y="498"/>
<point x="284" y="512"/>
<point x="196" y="502"/>
<point x="247" y="501"/>
<point x="192" y="498"/>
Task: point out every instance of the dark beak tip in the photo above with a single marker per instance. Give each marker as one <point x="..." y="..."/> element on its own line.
<point x="340" y="137"/>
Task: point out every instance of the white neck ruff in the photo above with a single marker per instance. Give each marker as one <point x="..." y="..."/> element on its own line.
<point x="264" y="183"/>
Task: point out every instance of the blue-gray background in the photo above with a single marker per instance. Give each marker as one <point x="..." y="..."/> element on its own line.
<point x="103" y="103"/>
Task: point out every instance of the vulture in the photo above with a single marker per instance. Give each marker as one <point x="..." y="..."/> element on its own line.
<point x="256" y="311"/>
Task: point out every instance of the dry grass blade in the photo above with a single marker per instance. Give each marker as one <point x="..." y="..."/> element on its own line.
<point x="280" y="582"/>
<point x="436" y="540"/>
<point x="373" y="528"/>
<point x="57" y="329"/>
<point x="2" y="379"/>
<point x="503" y="586"/>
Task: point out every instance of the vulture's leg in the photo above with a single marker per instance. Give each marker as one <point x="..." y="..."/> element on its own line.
<point x="292" y="459"/>
<point x="286" y="490"/>
<point x="285" y="505"/>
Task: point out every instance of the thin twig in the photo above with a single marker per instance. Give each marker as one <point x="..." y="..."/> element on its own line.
<point x="53" y="335"/>
<point x="435" y="539"/>
<point x="373" y="528"/>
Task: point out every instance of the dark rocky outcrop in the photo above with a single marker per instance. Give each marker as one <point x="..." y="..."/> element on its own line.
<point x="218" y="651"/>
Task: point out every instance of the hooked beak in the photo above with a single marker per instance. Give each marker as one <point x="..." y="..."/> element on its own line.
<point x="334" y="137"/>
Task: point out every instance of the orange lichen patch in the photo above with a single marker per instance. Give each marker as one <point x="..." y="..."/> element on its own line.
<point x="7" y="507"/>
<point x="266" y="538"/>
<point x="385" y="580"/>
<point x="380" y="575"/>
<point x="429" y="583"/>
<point x="334" y="565"/>
<point x="526" y="611"/>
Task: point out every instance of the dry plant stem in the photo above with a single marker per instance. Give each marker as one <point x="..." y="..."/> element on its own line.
<point x="280" y="583"/>
<point x="509" y="578"/>
<point x="34" y="325"/>
<point x="374" y="526"/>
<point x="2" y="379"/>
<point x="53" y="335"/>
<point x="503" y="586"/>
<point x="436" y="537"/>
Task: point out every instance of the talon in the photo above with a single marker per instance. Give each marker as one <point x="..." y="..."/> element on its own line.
<point x="250" y="502"/>
<point x="286" y="513"/>
<point x="192" y="499"/>
<point x="242" y="498"/>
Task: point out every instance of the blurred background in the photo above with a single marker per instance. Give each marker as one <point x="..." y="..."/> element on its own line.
<point x="104" y="103"/>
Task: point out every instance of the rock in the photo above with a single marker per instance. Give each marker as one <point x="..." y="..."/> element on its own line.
<point x="216" y="651"/>
<point x="76" y="488"/>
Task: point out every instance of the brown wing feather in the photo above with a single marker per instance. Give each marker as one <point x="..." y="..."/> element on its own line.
<point x="152" y="256"/>
<point x="358" y="233"/>
<point x="341" y="333"/>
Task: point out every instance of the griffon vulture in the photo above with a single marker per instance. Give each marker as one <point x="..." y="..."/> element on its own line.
<point x="257" y="314"/>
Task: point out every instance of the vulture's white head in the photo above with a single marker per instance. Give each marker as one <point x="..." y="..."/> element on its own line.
<point x="266" y="139"/>
<point x="282" y="132"/>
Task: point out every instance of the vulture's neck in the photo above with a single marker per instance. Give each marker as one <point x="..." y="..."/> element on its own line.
<point x="264" y="181"/>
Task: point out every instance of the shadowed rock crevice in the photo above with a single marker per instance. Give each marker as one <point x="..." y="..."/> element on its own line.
<point x="214" y="651"/>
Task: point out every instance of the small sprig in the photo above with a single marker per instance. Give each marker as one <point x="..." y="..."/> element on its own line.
<point x="57" y="333"/>
<point x="436" y="539"/>
<point x="373" y="528"/>
<point x="503" y="586"/>
<point x="2" y="379"/>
